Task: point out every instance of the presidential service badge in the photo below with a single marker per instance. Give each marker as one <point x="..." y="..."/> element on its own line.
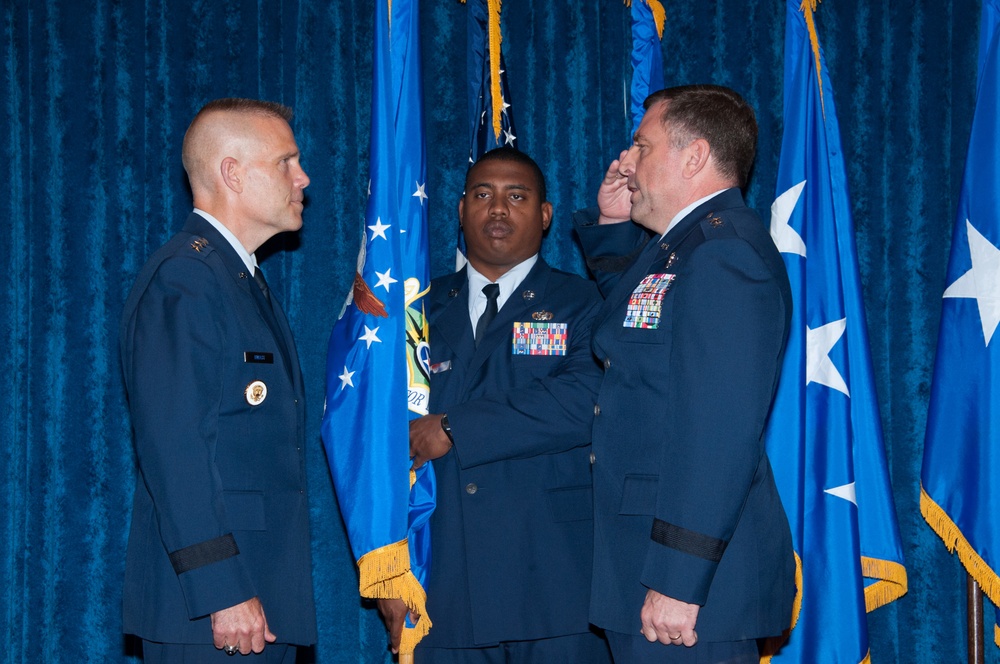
<point x="255" y="393"/>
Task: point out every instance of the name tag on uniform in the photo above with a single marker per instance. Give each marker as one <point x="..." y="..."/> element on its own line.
<point x="540" y="338"/>
<point x="646" y="301"/>
<point x="257" y="357"/>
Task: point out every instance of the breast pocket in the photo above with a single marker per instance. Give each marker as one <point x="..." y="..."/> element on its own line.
<point x="646" y="315"/>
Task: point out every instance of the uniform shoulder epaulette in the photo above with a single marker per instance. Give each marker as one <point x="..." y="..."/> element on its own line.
<point x="713" y="225"/>
<point x="199" y="246"/>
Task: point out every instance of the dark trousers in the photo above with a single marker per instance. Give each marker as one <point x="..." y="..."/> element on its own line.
<point x="181" y="653"/>
<point x="635" y="649"/>
<point x="589" y="648"/>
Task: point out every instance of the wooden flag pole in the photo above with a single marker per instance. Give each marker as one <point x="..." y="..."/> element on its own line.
<point x="974" y="622"/>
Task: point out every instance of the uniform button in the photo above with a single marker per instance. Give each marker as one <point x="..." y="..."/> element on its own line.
<point x="592" y="458"/>
<point x="471" y="488"/>
<point x="607" y="363"/>
<point x="597" y="409"/>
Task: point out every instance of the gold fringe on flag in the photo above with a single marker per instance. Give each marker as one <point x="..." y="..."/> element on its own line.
<point x="808" y="8"/>
<point x="996" y="635"/>
<point x="954" y="540"/>
<point x="659" y="14"/>
<point x="771" y="645"/>
<point x="891" y="584"/>
<point x="385" y="574"/>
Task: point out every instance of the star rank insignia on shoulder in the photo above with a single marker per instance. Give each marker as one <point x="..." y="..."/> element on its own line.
<point x="199" y="243"/>
<point x="713" y="220"/>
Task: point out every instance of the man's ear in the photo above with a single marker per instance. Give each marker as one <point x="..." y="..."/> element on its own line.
<point x="232" y="174"/>
<point x="461" y="210"/>
<point x="696" y="156"/>
<point x="546" y="215"/>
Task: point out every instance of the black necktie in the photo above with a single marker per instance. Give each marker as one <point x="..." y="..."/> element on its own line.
<point x="258" y="276"/>
<point x="492" y="292"/>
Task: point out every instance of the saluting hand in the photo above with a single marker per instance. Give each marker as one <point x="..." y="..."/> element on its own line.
<point x="614" y="200"/>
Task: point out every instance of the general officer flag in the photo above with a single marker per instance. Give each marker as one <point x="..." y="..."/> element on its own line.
<point x="377" y="371"/>
<point x="648" y="17"/>
<point x="491" y="119"/>
<point x="960" y="479"/>
<point x="824" y="436"/>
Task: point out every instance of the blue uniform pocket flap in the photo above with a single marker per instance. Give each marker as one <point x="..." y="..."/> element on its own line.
<point x="639" y="495"/>
<point x="571" y="503"/>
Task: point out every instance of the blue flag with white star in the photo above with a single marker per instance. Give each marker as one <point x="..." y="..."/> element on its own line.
<point x="377" y="363"/>
<point x="647" y="59"/>
<point x="491" y="120"/>
<point x="824" y="436"/>
<point x="961" y="470"/>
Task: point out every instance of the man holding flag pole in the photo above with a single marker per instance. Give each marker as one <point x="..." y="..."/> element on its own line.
<point x="377" y="369"/>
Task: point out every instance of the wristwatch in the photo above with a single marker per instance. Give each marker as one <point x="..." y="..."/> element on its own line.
<point x="447" y="428"/>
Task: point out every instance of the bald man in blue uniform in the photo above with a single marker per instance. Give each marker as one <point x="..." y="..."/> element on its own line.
<point x="218" y="558"/>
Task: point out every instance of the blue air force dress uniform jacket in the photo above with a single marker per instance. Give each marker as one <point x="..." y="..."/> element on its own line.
<point x="691" y="334"/>
<point x="220" y="512"/>
<point x="512" y="531"/>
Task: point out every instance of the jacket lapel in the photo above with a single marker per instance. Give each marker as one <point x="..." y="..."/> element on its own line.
<point x="198" y="225"/>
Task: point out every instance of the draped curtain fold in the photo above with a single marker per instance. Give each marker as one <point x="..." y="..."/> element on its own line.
<point x="97" y="94"/>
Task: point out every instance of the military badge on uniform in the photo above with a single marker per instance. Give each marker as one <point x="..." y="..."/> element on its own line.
<point x="255" y="393"/>
<point x="542" y="315"/>
<point x="538" y="338"/>
<point x="199" y="244"/>
<point x="646" y="301"/>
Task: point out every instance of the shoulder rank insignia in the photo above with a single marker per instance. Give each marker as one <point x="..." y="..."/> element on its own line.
<point x="199" y="244"/>
<point x="255" y="393"/>
<point x="542" y="315"/>
<point x="712" y="219"/>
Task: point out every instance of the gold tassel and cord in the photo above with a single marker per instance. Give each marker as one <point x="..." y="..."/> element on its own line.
<point x="493" y="12"/>
<point x="808" y="8"/>
<point x="659" y="14"/>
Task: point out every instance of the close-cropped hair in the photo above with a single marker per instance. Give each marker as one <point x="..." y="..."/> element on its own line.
<point x="717" y="114"/>
<point x="258" y="107"/>
<point x="506" y="153"/>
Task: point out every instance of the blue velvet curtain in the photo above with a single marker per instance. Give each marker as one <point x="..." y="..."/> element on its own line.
<point x="96" y="96"/>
